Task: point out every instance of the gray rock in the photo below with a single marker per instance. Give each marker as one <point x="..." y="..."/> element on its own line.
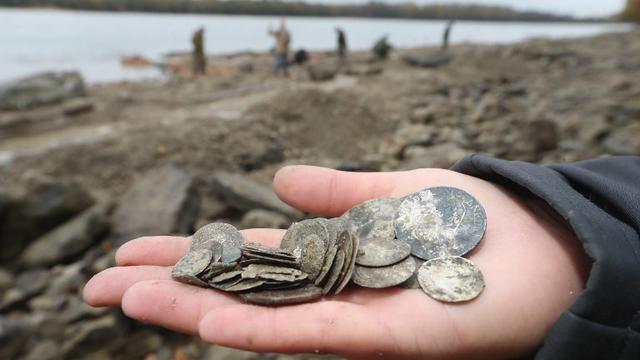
<point x="543" y="134"/>
<point x="77" y="106"/>
<point x="163" y="201"/>
<point x="45" y="206"/>
<point x="89" y="336"/>
<point x="624" y="140"/>
<point x="224" y="353"/>
<point x="103" y="262"/>
<point x="28" y="284"/>
<point x="41" y="89"/>
<point x="438" y="156"/>
<point x="428" y="61"/>
<point x="48" y="303"/>
<point x="68" y="240"/>
<point x="77" y="310"/>
<point x="245" y="194"/>
<point x="259" y="218"/>
<point x="67" y="279"/>
<point x="46" y="349"/>
<point x="322" y="72"/>
<point x="257" y="154"/>
<point x="14" y="332"/>
<point x="6" y="280"/>
<point x="412" y="135"/>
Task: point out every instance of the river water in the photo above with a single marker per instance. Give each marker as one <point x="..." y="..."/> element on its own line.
<point x="93" y="42"/>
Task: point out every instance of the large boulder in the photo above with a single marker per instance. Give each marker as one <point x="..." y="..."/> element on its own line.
<point x="245" y="194"/>
<point x="68" y="240"/>
<point x="25" y="217"/>
<point x="41" y="89"/>
<point x="163" y="201"/>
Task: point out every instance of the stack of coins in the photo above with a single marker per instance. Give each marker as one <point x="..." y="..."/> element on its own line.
<point x="377" y="244"/>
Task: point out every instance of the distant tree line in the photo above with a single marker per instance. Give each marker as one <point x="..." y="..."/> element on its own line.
<point x="276" y="7"/>
<point x="631" y="11"/>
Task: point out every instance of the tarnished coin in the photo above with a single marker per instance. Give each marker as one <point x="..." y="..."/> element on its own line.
<point x="335" y="226"/>
<point x="191" y="265"/>
<point x="306" y="240"/>
<point x="334" y="272"/>
<point x="440" y="221"/>
<point x="225" y="234"/>
<point x="226" y="276"/>
<point x="384" y="277"/>
<point x="269" y="261"/>
<point x="216" y="268"/>
<point x="376" y="252"/>
<point x="328" y="261"/>
<point x="412" y="282"/>
<point x="351" y="266"/>
<point x="258" y="270"/>
<point x="245" y="285"/>
<point x="451" y="279"/>
<point x="283" y="297"/>
<point x="373" y="218"/>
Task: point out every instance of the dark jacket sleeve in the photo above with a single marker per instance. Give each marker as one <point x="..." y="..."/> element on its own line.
<point x="600" y="199"/>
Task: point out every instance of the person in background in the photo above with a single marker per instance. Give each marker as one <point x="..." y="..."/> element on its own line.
<point x="342" y="45"/>
<point x="283" y="38"/>
<point x="445" y="36"/>
<point x="381" y="48"/>
<point x="199" y="60"/>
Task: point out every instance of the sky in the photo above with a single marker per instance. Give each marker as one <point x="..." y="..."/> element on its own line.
<point x="581" y="8"/>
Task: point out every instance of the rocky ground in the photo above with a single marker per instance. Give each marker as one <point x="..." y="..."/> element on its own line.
<point x="83" y="169"/>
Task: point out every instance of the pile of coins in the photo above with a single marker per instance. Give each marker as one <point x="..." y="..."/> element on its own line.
<point x="415" y="241"/>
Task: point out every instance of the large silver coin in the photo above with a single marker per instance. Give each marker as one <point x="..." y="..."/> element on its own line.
<point x="440" y="221"/>
<point x="373" y="218"/>
<point x="225" y="234"/>
<point x="376" y="252"/>
<point x="191" y="265"/>
<point x="307" y="240"/>
<point x="283" y="297"/>
<point x="384" y="277"/>
<point x="451" y="279"/>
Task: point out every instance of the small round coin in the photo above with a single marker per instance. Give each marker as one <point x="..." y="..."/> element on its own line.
<point x="373" y="218"/>
<point x="451" y="279"/>
<point x="223" y="233"/>
<point x="384" y="277"/>
<point x="306" y="240"/>
<point x="191" y="265"/>
<point x="376" y="252"/>
<point x="440" y="221"/>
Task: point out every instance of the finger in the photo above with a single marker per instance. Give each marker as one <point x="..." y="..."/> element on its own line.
<point x="107" y="287"/>
<point x="153" y="250"/>
<point x="171" y="304"/>
<point x="330" y="192"/>
<point x="325" y="327"/>
<point x="167" y="250"/>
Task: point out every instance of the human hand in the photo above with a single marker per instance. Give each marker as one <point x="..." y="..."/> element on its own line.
<point x="533" y="267"/>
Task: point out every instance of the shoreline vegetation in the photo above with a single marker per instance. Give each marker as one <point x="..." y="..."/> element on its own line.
<point x="374" y="9"/>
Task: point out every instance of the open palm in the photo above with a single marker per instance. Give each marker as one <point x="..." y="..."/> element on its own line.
<point x="533" y="269"/>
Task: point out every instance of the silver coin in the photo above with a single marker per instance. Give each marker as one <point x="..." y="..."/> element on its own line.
<point x="244" y="285"/>
<point x="216" y="268"/>
<point x="223" y="233"/>
<point x="384" y="277"/>
<point x="224" y="277"/>
<point x="373" y="218"/>
<point x="328" y="261"/>
<point x="412" y="282"/>
<point x="351" y="266"/>
<point x="440" y="221"/>
<point x="376" y="252"/>
<point x="191" y="265"/>
<point x="306" y="240"/>
<point x="451" y="279"/>
<point x="283" y="297"/>
<point x="334" y="272"/>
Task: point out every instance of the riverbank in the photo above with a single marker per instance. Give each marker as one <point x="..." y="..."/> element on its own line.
<point x="541" y="101"/>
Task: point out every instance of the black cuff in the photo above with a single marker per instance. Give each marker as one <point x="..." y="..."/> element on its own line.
<point x="599" y="325"/>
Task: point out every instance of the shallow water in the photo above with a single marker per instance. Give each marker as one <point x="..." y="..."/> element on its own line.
<point x="93" y="42"/>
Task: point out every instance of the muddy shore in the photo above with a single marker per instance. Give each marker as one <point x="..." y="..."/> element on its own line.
<point x="542" y="100"/>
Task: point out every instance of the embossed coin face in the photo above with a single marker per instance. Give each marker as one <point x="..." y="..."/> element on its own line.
<point x="191" y="265"/>
<point x="225" y="234"/>
<point x="306" y="240"/>
<point x="440" y="221"/>
<point x="283" y="297"/>
<point x="378" y="252"/>
<point x="451" y="279"/>
<point x="373" y="218"/>
<point x="384" y="277"/>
